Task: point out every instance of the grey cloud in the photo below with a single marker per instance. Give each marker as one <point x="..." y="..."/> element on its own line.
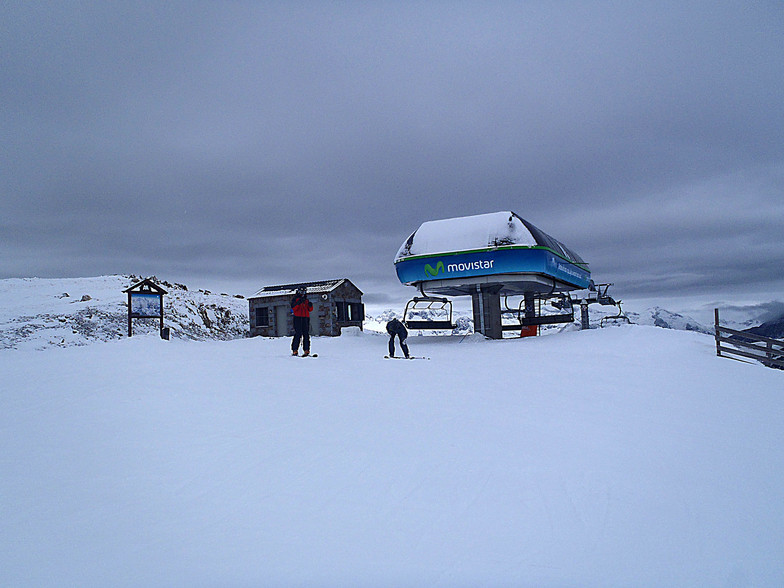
<point x="276" y="141"/>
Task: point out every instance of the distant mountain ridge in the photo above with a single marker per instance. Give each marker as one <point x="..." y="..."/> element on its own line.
<point x="660" y="317"/>
<point x="773" y="329"/>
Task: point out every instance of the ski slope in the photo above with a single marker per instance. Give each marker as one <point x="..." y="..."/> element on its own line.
<point x="626" y="456"/>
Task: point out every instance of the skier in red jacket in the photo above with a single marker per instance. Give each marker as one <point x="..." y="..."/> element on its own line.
<point x="301" y="307"/>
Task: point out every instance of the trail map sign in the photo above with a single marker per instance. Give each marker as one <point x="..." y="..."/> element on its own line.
<point x="145" y="301"/>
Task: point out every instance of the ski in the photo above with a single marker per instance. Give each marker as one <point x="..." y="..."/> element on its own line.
<point x="411" y="357"/>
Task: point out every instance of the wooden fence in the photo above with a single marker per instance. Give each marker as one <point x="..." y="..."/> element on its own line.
<point x="769" y="352"/>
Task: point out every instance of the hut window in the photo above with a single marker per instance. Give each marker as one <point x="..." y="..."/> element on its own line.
<point x="356" y="312"/>
<point x="350" y="312"/>
<point x="262" y="317"/>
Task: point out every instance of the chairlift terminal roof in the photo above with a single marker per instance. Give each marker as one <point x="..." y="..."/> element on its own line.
<point x="480" y="232"/>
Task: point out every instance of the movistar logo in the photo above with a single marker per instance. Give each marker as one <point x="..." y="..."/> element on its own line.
<point x="434" y="272"/>
<point x="470" y="265"/>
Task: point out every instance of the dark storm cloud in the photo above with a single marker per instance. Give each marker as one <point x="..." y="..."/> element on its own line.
<point x="278" y="141"/>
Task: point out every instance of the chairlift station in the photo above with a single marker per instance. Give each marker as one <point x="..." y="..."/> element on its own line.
<point x="488" y="256"/>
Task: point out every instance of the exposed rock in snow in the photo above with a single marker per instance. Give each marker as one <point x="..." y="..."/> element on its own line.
<point x="38" y="313"/>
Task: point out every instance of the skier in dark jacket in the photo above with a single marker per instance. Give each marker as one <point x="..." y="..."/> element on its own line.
<point x="301" y="307"/>
<point x="395" y="327"/>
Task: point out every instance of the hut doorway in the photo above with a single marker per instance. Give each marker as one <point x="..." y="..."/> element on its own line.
<point x="314" y="319"/>
<point x="281" y="321"/>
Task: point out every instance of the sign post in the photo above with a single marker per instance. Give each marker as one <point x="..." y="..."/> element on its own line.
<point x="145" y="300"/>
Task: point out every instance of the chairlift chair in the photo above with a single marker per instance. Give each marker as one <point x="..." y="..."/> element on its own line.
<point x="419" y="304"/>
<point x="563" y="302"/>
<point x="621" y="316"/>
<point x="605" y="299"/>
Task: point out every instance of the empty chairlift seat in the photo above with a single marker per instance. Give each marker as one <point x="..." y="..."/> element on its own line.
<point x="428" y="312"/>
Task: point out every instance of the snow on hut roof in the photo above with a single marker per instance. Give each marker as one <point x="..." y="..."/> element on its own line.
<point x="481" y="231"/>
<point x="291" y="289"/>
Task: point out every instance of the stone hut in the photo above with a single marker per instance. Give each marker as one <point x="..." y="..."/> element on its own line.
<point x="336" y="304"/>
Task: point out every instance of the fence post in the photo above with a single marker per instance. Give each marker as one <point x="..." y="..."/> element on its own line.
<point x="717" y="335"/>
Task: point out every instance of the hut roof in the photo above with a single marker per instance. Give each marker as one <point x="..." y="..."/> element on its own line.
<point x="320" y="287"/>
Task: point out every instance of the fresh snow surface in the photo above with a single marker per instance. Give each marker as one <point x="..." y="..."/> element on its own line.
<point x="468" y="232"/>
<point x="627" y="456"/>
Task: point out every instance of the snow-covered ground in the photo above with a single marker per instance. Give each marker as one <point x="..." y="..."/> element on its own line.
<point x="626" y="456"/>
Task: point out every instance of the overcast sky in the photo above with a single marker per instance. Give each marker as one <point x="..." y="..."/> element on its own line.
<point x="239" y="144"/>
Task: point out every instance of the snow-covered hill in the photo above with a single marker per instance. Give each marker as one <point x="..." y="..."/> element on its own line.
<point x="39" y="313"/>
<point x="660" y="317"/>
<point x="627" y="456"/>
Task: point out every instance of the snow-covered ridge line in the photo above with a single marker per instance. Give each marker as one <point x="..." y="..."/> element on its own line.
<point x="38" y="313"/>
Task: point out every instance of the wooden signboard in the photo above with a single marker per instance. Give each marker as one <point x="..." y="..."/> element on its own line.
<point x="145" y="301"/>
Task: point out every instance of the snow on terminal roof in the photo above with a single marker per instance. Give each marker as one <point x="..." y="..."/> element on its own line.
<point x="481" y="231"/>
<point x="291" y="289"/>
